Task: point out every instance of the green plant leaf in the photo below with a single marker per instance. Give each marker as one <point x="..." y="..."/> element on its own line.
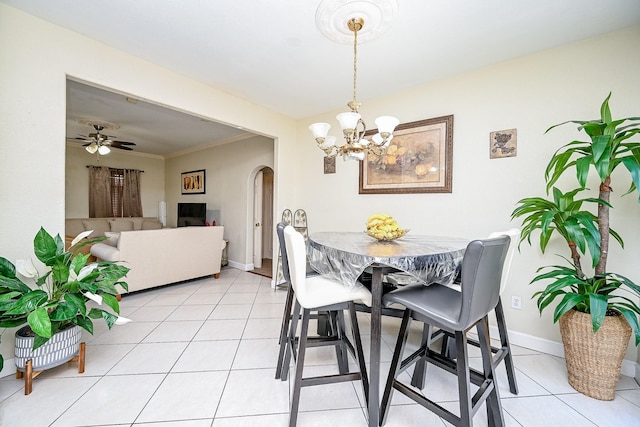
<point x="29" y="302"/>
<point x="111" y="302"/>
<point x="7" y="268"/>
<point x="39" y="322"/>
<point x="63" y="311"/>
<point x="45" y="247"/>
<point x="568" y="302"/>
<point x="598" y="308"/>
<point x="632" y="319"/>
<point x="85" y="323"/>
<point x="78" y="302"/>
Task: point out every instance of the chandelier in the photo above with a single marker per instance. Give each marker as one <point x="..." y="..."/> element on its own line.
<point x="353" y="127"/>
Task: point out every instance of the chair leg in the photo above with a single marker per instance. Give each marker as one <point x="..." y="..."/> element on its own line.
<point x="297" y="382"/>
<point x="284" y="330"/>
<point x="464" y="380"/>
<point x="355" y="330"/>
<point x="291" y="342"/>
<point x="342" y="352"/>
<point x="394" y="369"/>
<point x="506" y="347"/>
<point x="420" y="371"/>
<point x="494" y="408"/>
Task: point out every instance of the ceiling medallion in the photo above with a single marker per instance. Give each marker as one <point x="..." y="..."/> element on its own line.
<point x="331" y="16"/>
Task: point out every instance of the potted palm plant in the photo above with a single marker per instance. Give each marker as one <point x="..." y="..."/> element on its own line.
<point x="54" y="306"/>
<point x="597" y="311"/>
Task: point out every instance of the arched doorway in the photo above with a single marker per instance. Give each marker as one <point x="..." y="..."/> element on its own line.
<point x="263" y="222"/>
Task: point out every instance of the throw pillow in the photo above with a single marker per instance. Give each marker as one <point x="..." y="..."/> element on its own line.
<point x="121" y="225"/>
<point x="99" y="226"/>
<point x="112" y="238"/>
<point x="151" y="225"/>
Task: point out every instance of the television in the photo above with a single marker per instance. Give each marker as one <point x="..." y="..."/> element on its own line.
<point x="192" y="214"/>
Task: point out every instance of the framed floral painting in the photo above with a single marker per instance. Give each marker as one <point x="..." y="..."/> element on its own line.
<point x="419" y="159"/>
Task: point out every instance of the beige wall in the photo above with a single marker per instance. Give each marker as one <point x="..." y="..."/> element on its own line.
<point x="530" y="94"/>
<point x="230" y="169"/>
<point x="77" y="178"/>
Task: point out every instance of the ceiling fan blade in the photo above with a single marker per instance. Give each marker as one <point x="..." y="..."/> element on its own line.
<point x="123" y="143"/>
<point x="121" y="147"/>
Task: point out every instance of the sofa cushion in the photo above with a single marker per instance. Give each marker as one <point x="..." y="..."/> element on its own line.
<point x="99" y="226"/>
<point x="151" y="225"/>
<point x="121" y="225"/>
<point x="112" y="238"/>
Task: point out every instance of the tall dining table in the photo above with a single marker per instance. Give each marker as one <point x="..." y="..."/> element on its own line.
<point x="344" y="256"/>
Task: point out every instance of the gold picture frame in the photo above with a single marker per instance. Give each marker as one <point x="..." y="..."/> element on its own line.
<point x="193" y="182"/>
<point x="419" y="159"/>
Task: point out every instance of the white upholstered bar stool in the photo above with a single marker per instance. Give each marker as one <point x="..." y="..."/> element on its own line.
<point x="319" y="294"/>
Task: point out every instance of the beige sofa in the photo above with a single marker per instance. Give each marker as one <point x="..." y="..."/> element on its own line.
<point x="163" y="256"/>
<point x="75" y="226"/>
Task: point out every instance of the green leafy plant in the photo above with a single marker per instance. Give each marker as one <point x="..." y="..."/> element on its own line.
<point x="604" y="292"/>
<point x="58" y="298"/>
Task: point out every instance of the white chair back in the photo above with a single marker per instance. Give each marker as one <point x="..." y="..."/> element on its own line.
<point x="513" y="234"/>
<point x="297" y="258"/>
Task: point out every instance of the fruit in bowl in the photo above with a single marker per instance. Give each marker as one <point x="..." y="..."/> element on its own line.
<point x="384" y="227"/>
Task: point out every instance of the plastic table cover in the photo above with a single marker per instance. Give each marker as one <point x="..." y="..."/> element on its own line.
<point x="343" y="256"/>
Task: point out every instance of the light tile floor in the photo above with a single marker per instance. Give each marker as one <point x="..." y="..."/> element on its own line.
<point x="203" y="353"/>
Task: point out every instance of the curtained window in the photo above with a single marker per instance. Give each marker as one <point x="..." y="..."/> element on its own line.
<point x="114" y="192"/>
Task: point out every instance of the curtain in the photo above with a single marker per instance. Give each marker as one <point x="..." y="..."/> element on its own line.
<point x="131" y="201"/>
<point x="99" y="192"/>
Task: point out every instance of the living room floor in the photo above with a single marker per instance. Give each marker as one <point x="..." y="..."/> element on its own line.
<point x="203" y="353"/>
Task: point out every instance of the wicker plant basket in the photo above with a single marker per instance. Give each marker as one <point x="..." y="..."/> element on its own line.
<point x="593" y="360"/>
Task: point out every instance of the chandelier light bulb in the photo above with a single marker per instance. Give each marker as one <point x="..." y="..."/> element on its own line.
<point x="104" y="150"/>
<point x="320" y="130"/>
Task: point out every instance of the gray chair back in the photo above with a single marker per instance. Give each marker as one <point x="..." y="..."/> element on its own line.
<point x="481" y="275"/>
<point x="283" y="252"/>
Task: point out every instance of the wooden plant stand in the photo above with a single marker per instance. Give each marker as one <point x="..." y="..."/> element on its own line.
<point x="29" y="374"/>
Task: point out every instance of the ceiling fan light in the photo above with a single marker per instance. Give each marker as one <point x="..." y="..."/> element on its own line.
<point x="92" y="148"/>
<point x="104" y="150"/>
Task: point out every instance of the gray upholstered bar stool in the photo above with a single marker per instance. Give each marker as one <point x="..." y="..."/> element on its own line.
<point x="455" y="312"/>
<point x="502" y="353"/>
<point x="320" y="294"/>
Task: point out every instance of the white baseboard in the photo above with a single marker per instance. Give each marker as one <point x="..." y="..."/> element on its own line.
<point x="630" y="368"/>
<point x="239" y="266"/>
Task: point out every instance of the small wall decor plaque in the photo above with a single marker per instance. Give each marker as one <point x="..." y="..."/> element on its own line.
<point x="329" y="165"/>
<point x="503" y="143"/>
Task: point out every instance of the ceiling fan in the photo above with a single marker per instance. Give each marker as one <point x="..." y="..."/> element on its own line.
<point x="101" y="143"/>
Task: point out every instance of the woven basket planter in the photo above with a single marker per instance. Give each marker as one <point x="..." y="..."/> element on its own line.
<point x="593" y="360"/>
<point x="62" y="347"/>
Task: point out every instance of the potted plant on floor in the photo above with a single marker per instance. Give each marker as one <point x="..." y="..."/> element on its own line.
<point x="597" y="312"/>
<point x="54" y="307"/>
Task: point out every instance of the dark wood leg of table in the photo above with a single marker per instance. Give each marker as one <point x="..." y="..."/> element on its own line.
<point x="376" y="332"/>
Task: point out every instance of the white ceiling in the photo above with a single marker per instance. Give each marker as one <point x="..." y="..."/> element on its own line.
<point x="271" y="53"/>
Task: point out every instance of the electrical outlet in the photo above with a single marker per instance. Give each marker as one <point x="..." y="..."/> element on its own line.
<point x="516" y="302"/>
